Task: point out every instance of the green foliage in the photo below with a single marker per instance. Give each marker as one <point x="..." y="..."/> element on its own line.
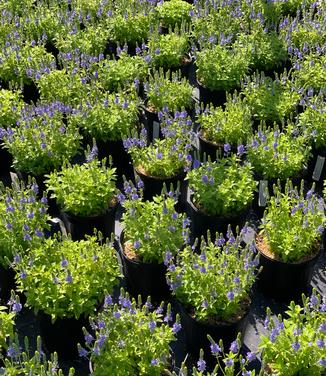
<point x="296" y="344"/>
<point x="68" y="278"/>
<point x="174" y="12"/>
<point x="229" y="125"/>
<point x="11" y="103"/>
<point x="222" y="188"/>
<point x="221" y="68"/>
<point x="276" y="154"/>
<point x="293" y="223"/>
<point x="153" y="228"/>
<point x="271" y="100"/>
<point x="6" y="327"/>
<point x="85" y="190"/>
<point x="215" y="283"/>
<point x="23" y="219"/>
<point x="175" y="94"/>
<point x="136" y="339"/>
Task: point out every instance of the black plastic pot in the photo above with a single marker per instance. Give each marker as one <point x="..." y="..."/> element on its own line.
<point x="78" y="227"/>
<point x="285" y="281"/>
<point x="7" y="283"/>
<point x="196" y="332"/>
<point x="153" y="186"/>
<point x="207" y="96"/>
<point x="6" y="160"/>
<point x="31" y="93"/>
<point x="201" y="222"/>
<point x="152" y="125"/>
<point x="315" y="173"/>
<point x="63" y="335"/>
<point x="144" y="279"/>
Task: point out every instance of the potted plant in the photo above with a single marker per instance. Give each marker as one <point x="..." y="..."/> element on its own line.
<point x="42" y="141"/>
<point x="170" y="51"/>
<point x="174" y="13"/>
<point x="64" y="282"/>
<point x="152" y="231"/>
<point x="86" y="195"/>
<point x="166" y="94"/>
<point x="289" y="241"/>
<point x="133" y="340"/>
<point x="165" y="161"/>
<point x="221" y="193"/>
<point x="270" y="100"/>
<point x="23" y="223"/>
<point x="108" y="118"/>
<point x="295" y="344"/>
<point x="212" y="289"/>
<point x="218" y="126"/>
<point x="220" y="69"/>
<point x="22" y="362"/>
<point x="7" y="323"/>
<point x="278" y="154"/>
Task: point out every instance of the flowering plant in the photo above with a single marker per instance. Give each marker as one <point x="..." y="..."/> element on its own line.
<point x="107" y="117"/>
<point x="153" y="229"/>
<point x="295" y="345"/>
<point x="175" y="94"/>
<point x="167" y="157"/>
<point x="221" y="68"/>
<point x="23" y="220"/>
<point x="11" y="104"/>
<point x="168" y="50"/>
<point x="214" y="284"/>
<point x="42" y="141"/>
<point x="223" y="187"/>
<point x="84" y="190"/>
<point x="313" y="121"/>
<point x="270" y="100"/>
<point x="65" y="278"/>
<point x="293" y="223"/>
<point x="131" y="338"/>
<point x="23" y="363"/>
<point x="174" y="12"/>
<point x="7" y="321"/>
<point x="122" y="72"/>
<point x="229" y="125"/>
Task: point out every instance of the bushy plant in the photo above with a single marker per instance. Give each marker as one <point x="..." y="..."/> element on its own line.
<point x="222" y="188"/>
<point x="295" y="345"/>
<point x="7" y="321"/>
<point x="84" y="190"/>
<point x="231" y="124"/>
<point x="11" y="103"/>
<point x="271" y="100"/>
<point x="174" y="12"/>
<point x="293" y="223"/>
<point x="152" y="228"/>
<point x="65" y="278"/>
<point x="278" y="154"/>
<point x="221" y="68"/>
<point x="133" y="340"/>
<point x="107" y="117"/>
<point x="214" y="284"/>
<point x="23" y="220"/>
<point x="174" y="94"/>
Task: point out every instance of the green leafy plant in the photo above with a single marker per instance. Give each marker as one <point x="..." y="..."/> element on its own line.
<point x="84" y="190"/>
<point x="214" y="284"/>
<point x="134" y="339"/>
<point x="42" y="141"/>
<point x="24" y="363"/>
<point x="107" y="117"/>
<point x="169" y="50"/>
<point x="161" y="92"/>
<point x="229" y="125"/>
<point x="295" y="345"/>
<point x="23" y="220"/>
<point x="7" y="323"/>
<point x="293" y="223"/>
<point x="221" y="68"/>
<point x="67" y="278"/>
<point x="174" y="12"/>
<point x="271" y="100"/>
<point x="278" y="154"/>
<point x="152" y="228"/>
<point x="11" y="103"/>
<point x="222" y="188"/>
